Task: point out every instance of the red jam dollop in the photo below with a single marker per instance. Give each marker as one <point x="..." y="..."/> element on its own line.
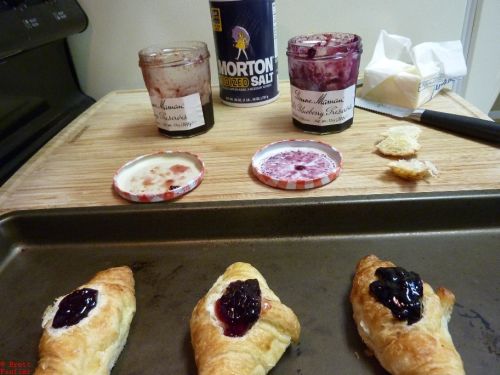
<point x="179" y="168"/>
<point x="401" y="291"/>
<point x="74" y="307"/>
<point x="239" y="307"/>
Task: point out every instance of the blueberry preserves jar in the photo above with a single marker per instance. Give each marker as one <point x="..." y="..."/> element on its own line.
<point x="323" y="70"/>
<point x="177" y="77"/>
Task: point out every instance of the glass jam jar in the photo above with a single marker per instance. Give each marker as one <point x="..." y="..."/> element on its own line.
<point x="177" y="77"/>
<point x="323" y="70"/>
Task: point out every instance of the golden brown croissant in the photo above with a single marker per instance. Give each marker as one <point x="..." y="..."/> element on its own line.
<point x="423" y="347"/>
<point x="254" y="352"/>
<point x="88" y="343"/>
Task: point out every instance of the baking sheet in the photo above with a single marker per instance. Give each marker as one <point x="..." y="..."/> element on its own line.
<point x="306" y="249"/>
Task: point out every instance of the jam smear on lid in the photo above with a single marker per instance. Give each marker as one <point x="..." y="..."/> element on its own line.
<point x="401" y="291"/>
<point x="239" y="307"/>
<point x="75" y="307"/>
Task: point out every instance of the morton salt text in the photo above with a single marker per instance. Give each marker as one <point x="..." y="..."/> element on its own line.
<point x="260" y="72"/>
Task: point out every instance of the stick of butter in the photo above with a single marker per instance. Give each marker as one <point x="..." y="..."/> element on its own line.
<point x="409" y="77"/>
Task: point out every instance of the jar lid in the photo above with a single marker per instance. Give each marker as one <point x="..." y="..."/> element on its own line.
<point x="174" y="53"/>
<point x="160" y="176"/>
<point x="324" y="45"/>
<point x="297" y="164"/>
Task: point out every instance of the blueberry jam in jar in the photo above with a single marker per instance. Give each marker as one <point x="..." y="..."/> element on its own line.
<point x="401" y="291"/>
<point x="323" y="70"/>
<point x="74" y="307"/>
<point x="239" y="307"/>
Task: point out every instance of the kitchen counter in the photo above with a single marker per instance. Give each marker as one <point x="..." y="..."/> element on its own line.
<point x="76" y="168"/>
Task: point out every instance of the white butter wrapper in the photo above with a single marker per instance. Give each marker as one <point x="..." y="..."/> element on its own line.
<point x="409" y="77"/>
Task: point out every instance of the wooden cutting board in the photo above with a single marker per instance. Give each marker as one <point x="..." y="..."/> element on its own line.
<point x="76" y="168"/>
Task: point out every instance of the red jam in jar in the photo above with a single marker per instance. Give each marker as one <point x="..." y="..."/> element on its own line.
<point x="177" y="77"/>
<point x="323" y="70"/>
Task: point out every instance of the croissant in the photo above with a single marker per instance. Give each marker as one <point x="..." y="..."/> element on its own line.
<point x="258" y="349"/>
<point x="422" y="347"/>
<point x="76" y="344"/>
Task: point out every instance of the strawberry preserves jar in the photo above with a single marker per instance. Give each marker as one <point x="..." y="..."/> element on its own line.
<point x="323" y="70"/>
<point x="177" y="77"/>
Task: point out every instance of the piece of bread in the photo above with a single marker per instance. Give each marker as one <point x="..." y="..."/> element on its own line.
<point x="259" y="349"/>
<point x="413" y="169"/>
<point x="400" y="141"/>
<point x="422" y="348"/>
<point x="92" y="345"/>
<point x="398" y="145"/>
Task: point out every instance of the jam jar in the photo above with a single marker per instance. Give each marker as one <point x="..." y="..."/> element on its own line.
<point x="177" y="77"/>
<point x="323" y="70"/>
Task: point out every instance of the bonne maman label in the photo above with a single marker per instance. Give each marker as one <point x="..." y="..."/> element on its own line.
<point x="323" y="108"/>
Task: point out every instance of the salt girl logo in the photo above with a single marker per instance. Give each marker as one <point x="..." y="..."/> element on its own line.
<point x="241" y="39"/>
<point x="245" y="73"/>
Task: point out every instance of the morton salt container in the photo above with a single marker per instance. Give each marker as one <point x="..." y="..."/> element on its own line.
<point x="247" y="52"/>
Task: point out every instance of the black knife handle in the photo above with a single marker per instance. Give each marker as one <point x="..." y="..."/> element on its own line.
<point x="471" y="126"/>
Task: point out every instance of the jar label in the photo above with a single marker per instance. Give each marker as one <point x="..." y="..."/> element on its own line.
<point x="323" y="108"/>
<point x="178" y="114"/>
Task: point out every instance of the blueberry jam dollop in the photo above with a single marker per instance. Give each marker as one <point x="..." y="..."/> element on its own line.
<point x="239" y="307"/>
<point x="74" y="307"/>
<point x="401" y="291"/>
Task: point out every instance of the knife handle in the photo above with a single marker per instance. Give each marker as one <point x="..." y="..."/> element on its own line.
<point x="471" y="126"/>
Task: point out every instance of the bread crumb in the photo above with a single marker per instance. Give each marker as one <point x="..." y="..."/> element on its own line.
<point x="413" y="169"/>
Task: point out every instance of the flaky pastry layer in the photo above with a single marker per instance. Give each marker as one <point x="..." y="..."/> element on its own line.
<point x="259" y="349"/>
<point x="423" y="348"/>
<point x="93" y="345"/>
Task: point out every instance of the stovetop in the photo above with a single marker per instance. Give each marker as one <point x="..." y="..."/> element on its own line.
<point x="39" y="90"/>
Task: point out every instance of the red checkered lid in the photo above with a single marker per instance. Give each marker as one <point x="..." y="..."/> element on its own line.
<point x="297" y="164"/>
<point x="158" y="177"/>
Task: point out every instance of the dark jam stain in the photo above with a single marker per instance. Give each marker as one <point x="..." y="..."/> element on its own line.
<point x="74" y="307"/>
<point x="239" y="307"/>
<point x="138" y="266"/>
<point x="299" y="167"/>
<point x="158" y="91"/>
<point x="173" y="187"/>
<point x="401" y="291"/>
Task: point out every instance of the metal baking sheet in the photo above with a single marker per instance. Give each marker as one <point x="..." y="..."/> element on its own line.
<point x="306" y="249"/>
